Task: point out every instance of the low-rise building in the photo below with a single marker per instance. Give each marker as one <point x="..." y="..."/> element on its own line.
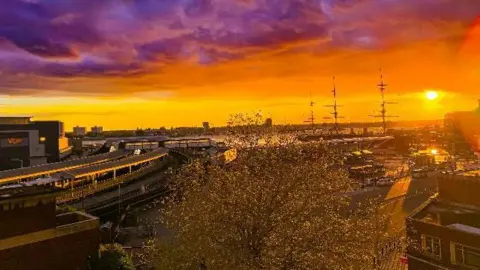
<point x="444" y="233"/>
<point x="33" y="236"/>
<point x="206" y="125"/>
<point x="79" y="131"/>
<point x="96" y="130"/>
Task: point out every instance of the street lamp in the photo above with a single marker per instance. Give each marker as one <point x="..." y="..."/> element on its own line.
<point x="19" y="160"/>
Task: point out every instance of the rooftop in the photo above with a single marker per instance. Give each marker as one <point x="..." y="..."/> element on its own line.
<point x="21" y="192"/>
<point x="109" y="166"/>
<point x="468" y="173"/>
<point x="453" y="216"/>
<point x="35" y="171"/>
<point x="15" y="120"/>
<point x="474" y="173"/>
<point x="73" y="217"/>
<point x="16" y="116"/>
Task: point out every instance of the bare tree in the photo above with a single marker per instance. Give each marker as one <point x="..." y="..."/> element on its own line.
<point x="280" y="205"/>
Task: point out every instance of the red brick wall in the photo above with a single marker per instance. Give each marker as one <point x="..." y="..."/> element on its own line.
<point x="65" y="253"/>
<point x="26" y="220"/>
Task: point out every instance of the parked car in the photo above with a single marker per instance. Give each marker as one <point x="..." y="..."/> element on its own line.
<point x="386" y="181"/>
<point x="418" y="173"/>
<point x="369" y="182"/>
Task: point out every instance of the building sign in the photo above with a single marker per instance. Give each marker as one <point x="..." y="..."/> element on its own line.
<point x="13" y="142"/>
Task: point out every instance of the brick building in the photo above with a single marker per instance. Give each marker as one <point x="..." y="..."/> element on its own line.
<point x="444" y="233"/>
<point x="33" y="236"/>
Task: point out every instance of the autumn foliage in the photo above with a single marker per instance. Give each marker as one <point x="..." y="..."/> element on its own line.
<point x="280" y="205"/>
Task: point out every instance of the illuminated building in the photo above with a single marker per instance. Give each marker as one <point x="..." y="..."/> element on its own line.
<point x="33" y="236"/>
<point x="423" y="158"/>
<point x="444" y="233"/>
<point x="25" y="143"/>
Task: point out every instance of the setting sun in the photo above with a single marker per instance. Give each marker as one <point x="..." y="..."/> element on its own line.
<point x="431" y="95"/>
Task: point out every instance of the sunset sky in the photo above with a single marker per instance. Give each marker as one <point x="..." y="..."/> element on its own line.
<point x="147" y="63"/>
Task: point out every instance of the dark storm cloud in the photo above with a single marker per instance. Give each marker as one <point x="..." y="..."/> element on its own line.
<point x="38" y="45"/>
<point x="90" y="69"/>
<point x="37" y="28"/>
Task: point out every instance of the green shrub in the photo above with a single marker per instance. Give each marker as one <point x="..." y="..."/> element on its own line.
<point x="111" y="257"/>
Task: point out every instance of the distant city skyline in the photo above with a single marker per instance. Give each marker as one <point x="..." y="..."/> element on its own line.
<point x="300" y="112"/>
<point x="129" y="64"/>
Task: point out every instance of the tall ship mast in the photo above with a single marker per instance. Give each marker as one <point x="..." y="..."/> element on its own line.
<point x="335" y="106"/>
<point x="383" y="110"/>
<point x="311" y="119"/>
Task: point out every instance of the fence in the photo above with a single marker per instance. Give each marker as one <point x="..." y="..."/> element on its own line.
<point x="390" y="253"/>
<point x="85" y="191"/>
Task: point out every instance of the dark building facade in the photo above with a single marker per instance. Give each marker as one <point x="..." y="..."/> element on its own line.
<point x="25" y="143"/>
<point x="462" y="131"/>
<point x="206" y="125"/>
<point x="33" y="236"/>
<point x="444" y="233"/>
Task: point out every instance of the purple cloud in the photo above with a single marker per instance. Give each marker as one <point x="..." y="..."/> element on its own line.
<point x="91" y="69"/>
<point x="39" y="29"/>
<point x="86" y="38"/>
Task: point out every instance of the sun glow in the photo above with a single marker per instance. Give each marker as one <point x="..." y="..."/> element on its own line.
<point x="431" y="95"/>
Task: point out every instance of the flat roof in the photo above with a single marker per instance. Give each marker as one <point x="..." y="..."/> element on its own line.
<point x="469" y="173"/>
<point x="117" y="164"/>
<point x="20" y="192"/>
<point x="15" y="116"/>
<point x="453" y="216"/>
<point x="9" y="176"/>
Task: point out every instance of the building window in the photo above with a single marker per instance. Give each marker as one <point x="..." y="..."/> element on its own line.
<point x="431" y="246"/>
<point x="464" y="255"/>
<point x="43" y="139"/>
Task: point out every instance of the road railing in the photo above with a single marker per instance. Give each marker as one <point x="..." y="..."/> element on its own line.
<point x="85" y="191"/>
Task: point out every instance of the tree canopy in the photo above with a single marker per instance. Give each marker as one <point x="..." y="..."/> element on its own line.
<point x="112" y="257"/>
<point x="280" y="205"/>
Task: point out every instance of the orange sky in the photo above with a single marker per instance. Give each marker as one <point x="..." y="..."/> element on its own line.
<point x="276" y="77"/>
